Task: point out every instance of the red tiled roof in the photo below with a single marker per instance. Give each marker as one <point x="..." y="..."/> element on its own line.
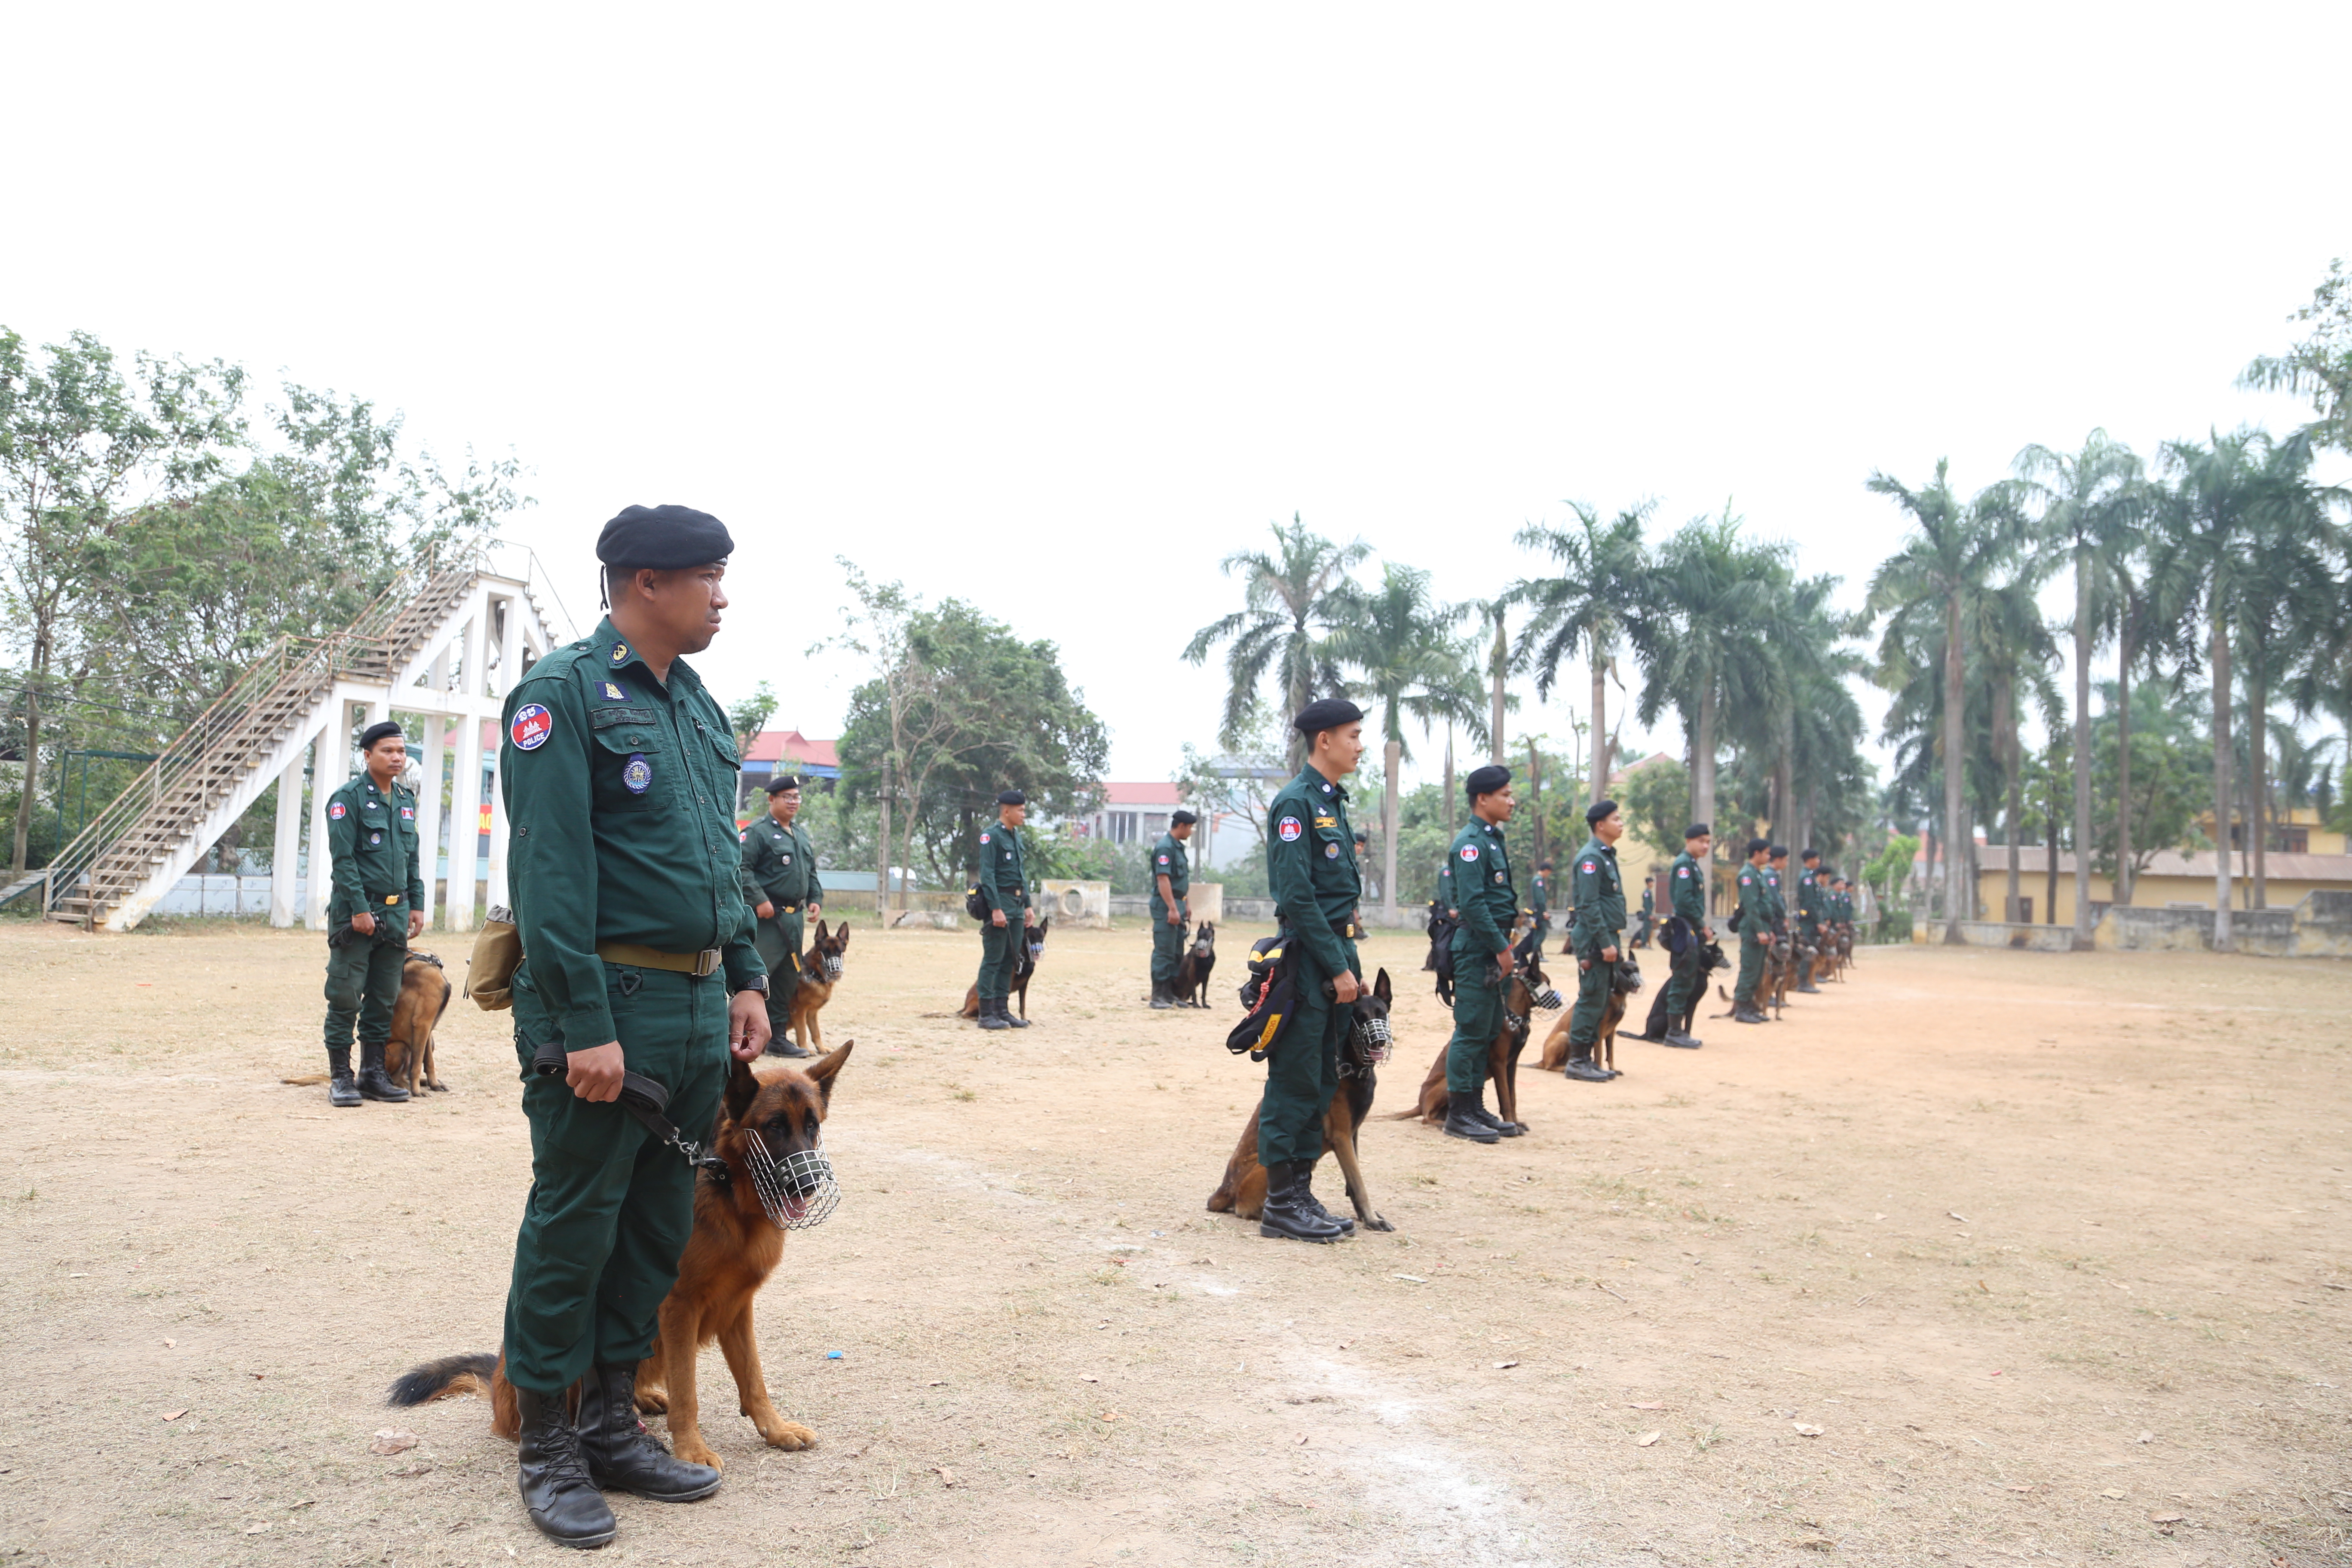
<point x="1150" y="793"/>
<point x="778" y="745"/>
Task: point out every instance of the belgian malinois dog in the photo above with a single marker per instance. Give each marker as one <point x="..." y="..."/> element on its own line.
<point x="1529" y="981"/>
<point x="820" y="972"/>
<point x="734" y="1248"/>
<point x="1193" y="972"/>
<point x="1243" y="1191"/>
<point x="1024" y="964"/>
<point x="1623" y="984"/>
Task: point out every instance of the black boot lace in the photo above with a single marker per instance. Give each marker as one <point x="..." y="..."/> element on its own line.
<point x="561" y="1461"/>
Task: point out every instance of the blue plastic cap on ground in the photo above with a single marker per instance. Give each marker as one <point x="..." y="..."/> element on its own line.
<point x="833" y="1355"/>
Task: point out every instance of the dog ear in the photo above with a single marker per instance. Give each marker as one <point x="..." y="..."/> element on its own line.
<point x="841" y="934"/>
<point x="820" y="931"/>
<point x="821" y="1074"/>
<point x="742" y="1088"/>
<point x="1380" y="985"/>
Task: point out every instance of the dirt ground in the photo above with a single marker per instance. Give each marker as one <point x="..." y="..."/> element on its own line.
<point x="2051" y="1250"/>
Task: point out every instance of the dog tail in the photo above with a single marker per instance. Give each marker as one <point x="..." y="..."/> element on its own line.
<point x="443" y="1379"/>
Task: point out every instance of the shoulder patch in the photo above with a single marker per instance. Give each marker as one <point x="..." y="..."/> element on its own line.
<point x="1683" y="871"/>
<point x="620" y="654"/>
<point x="983" y="838"/>
<point x="1288" y="830"/>
<point x="336" y="810"/>
<point x="532" y="727"/>
<point x="1588" y="865"/>
<point x="1163" y="860"/>
<point x="1469" y="852"/>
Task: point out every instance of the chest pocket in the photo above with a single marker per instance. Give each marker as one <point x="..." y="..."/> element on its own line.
<point x="632" y="760"/>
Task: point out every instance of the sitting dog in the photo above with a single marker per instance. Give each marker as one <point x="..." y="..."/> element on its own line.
<point x="1024" y="964"/>
<point x="735" y="1245"/>
<point x="1243" y="1191"/>
<point x="1622" y="983"/>
<point x="416" y="1012"/>
<point x="1528" y="983"/>
<point x="820" y="972"/>
<point x="1193" y="972"/>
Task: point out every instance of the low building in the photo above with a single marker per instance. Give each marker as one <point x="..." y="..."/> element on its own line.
<point x="1131" y="812"/>
<point x="2173" y="880"/>
<point x="790" y="752"/>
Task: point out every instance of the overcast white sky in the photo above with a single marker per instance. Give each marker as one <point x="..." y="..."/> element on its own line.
<point x="1050" y="307"/>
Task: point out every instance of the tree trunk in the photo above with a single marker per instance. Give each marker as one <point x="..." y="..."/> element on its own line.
<point x="2082" y="764"/>
<point x="2223" y="937"/>
<point x="882" y="871"/>
<point x="2014" y="799"/>
<point x="1501" y="650"/>
<point x="1392" y="756"/>
<point x="1784" y="784"/>
<point x="1703" y="780"/>
<point x="1535" y="797"/>
<point x="1600" y="729"/>
<point x="1445" y="806"/>
<point x="29" y="792"/>
<point x="2258" y="815"/>
<point x="2050" y="893"/>
<point x="2119" y="892"/>
<point x="1955" y="766"/>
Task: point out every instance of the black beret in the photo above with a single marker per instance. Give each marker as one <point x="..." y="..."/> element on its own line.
<point x="1810" y="855"/>
<point x="783" y="782"/>
<point x="1780" y="852"/>
<point x="1598" y="812"/>
<point x="1327" y="714"/>
<point x="663" y="538"/>
<point x="1698" y="830"/>
<point x="1364" y="835"/>
<point x="383" y="731"/>
<point x="1756" y="846"/>
<point x="1183" y="819"/>
<point x="1486" y="780"/>
<point x="1012" y="798"/>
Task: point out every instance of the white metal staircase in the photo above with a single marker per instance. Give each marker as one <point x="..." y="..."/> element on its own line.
<point x="288" y="700"/>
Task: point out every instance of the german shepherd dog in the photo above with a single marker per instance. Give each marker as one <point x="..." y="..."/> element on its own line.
<point x="1243" y="1191"/>
<point x="733" y="1249"/>
<point x="1440" y="961"/>
<point x="1622" y="983"/>
<point x="1529" y="981"/>
<point x="1024" y="964"/>
<point x="1193" y="973"/>
<point x="416" y="1012"/>
<point x="820" y="972"/>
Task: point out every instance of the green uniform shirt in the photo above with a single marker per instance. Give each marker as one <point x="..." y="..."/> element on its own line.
<point x="1599" y="897"/>
<point x="1755" y="901"/>
<point x="1168" y="859"/>
<point x="1687" y="887"/>
<point x="1482" y="880"/>
<point x="1539" y="894"/>
<point x="1775" y="905"/>
<point x="371" y="840"/>
<point x="1002" y="881"/>
<point x="779" y="865"/>
<point x="1310" y="865"/>
<point x="620" y="792"/>
<point x="1810" y="900"/>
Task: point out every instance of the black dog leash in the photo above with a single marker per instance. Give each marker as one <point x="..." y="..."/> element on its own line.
<point x="644" y="1099"/>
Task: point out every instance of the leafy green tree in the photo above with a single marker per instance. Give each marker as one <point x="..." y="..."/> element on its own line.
<point x="1292" y="600"/>
<point x="1656" y="799"/>
<point x="2321" y="365"/>
<point x="1602" y="575"/>
<point x="748" y="716"/>
<point x="1953" y="552"/>
<point x="2151" y="805"/>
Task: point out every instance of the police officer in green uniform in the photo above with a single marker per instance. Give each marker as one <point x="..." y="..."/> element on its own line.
<point x="377" y="908"/>
<point x="1686" y="892"/>
<point x="1754" y="918"/>
<point x="779" y="883"/>
<point x="619" y="774"/>
<point x="1776" y="883"/>
<point x="1004" y="889"/>
<point x="1811" y="904"/>
<point x="1594" y="932"/>
<point x="1481" y="871"/>
<point x="1171" y="878"/>
<point x="1539" y="902"/>
<point x="1311" y="870"/>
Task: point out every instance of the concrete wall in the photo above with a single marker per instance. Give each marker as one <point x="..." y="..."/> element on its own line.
<point x="2320" y="926"/>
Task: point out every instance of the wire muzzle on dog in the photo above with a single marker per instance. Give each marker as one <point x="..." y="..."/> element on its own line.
<point x="1373" y="1035"/>
<point x="798" y="1192"/>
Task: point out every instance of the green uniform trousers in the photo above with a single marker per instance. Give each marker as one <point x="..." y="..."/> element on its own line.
<point x="1478" y="1018"/>
<point x="610" y="1207"/>
<point x="1167" y="947"/>
<point x="1683" y="984"/>
<point x="1751" y="963"/>
<point x="1593" y="997"/>
<point x="363" y="982"/>
<point x="999" y="956"/>
<point x="1303" y="1073"/>
<point x="778" y="941"/>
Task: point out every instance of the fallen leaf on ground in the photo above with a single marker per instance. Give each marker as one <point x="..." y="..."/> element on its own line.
<point x="2145" y="1438"/>
<point x="390" y="1440"/>
<point x="2168" y="1519"/>
<point x="1651" y="1404"/>
<point x="1107" y="1416"/>
<point x="169" y="1344"/>
<point x="1983" y="1287"/>
<point x="1646" y="1438"/>
<point x="1804" y="1430"/>
<point x="260" y="1529"/>
<point x="1961" y="1217"/>
<point x="173" y="1414"/>
<point x="1504" y="1365"/>
<point x="1083" y="1378"/>
<point x="2118" y="1497"/>
<point x="1410" y="1278"/>
<point x="946" y="1476"/>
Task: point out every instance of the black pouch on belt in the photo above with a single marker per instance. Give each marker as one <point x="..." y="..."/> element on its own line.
<point x="642" y="1097"/>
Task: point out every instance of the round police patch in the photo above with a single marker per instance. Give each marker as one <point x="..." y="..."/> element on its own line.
<point x="637" y="774"/>
<point x="1469" y="852"/>
<point x="1330" y="851"/>
<point x="1288" y="829"/>
<point x="620" y="652"/>
<point x="532" y="727"/>
<point x="1163" y="860"/>
<point x="375" y="838"/>
<point x="336" y="811"/>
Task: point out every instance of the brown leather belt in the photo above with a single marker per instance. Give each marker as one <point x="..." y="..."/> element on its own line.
<point x="695" y="964"/>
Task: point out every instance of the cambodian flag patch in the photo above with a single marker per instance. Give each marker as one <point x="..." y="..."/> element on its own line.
<point x="983" y="838"/>
<point x="407" y="813"/>
<point x="532" y="727"/>
<point x="1289" y="830"/>
<point x="1469" y="852"/>
<point x="1587" y="868"/>
<point x="1163" y="860"/>
<point x="336" y="811"/>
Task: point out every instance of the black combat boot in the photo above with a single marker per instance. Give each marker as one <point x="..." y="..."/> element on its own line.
<point x="1004" y="1011"/>
<point x="1478" y="1108"/>
<point x="374" y="1084"/>
<point x="1313" y="1204"/>
<point x="343" y="1088"/>
<point x="1746" y="1013"/>
<point x="553" y="1474"/>
<point x="1163" y="996"/>
<point x="1285" y="1214"/>
<point x="1466" y="1118"/>
<point x="781" y="1045"/>
<point x="991" y="1014"/>
<point x="622" y="1455"/>
<point x="1581" y="1068"/>
<point x="1678" y="1034"/>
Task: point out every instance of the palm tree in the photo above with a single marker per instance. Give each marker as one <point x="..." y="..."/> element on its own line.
<point x="2015" y="652"/>
<point x="1952" y="552"/>
<point x="2092" y="504"/>
<point x="1401" y="644"/>
<point x="1601" y="581"/>
<point x="1291" y="601"/>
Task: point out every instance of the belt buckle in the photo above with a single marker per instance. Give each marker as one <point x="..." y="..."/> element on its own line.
<point x="706" y="963"/>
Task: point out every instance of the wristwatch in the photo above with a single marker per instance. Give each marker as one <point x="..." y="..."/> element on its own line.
<point x="760" y="985"/>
